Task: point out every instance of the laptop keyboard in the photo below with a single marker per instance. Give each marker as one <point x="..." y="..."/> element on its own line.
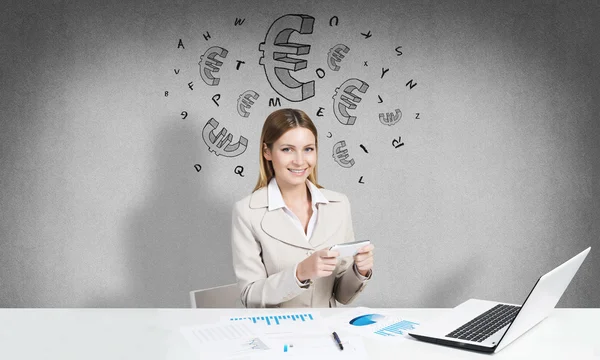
<point x="483" y="326"/>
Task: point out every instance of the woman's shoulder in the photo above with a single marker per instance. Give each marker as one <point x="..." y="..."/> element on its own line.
<point x="257" y="198"/>
<point x="334" y="196"/>
<point x="244" y="200"/>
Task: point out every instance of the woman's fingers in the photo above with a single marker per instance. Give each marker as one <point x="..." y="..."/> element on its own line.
<point x="366" y="249"/>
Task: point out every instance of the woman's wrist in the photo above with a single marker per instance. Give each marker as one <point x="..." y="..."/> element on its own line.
<point x="364" y="273"/>
<point x="299" y="276"/>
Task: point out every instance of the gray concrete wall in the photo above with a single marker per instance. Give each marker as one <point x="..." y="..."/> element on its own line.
<point x="497" y="182"/>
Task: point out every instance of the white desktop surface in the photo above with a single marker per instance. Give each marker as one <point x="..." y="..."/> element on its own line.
<point x="154" y="334"/>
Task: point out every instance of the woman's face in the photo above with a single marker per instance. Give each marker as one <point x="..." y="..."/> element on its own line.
<point x="294" y="156"/>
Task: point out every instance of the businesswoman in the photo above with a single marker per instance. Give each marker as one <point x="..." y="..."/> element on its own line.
<point x="281" y="232"/>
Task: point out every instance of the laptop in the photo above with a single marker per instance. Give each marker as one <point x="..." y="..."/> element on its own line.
<point x="489" y="326"/>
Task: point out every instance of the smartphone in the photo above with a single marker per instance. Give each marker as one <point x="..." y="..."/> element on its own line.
<point x="350" y="248"/>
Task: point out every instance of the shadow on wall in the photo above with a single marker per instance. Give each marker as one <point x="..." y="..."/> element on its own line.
<point x="443" y="290"/>
<point x="170" y="249"/>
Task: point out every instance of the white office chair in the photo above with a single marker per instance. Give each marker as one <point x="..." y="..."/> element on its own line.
<point x="226" y="296"/>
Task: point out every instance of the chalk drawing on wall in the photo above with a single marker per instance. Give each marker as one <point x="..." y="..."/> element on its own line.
<point x="345" y="99"/>
<point x="340" y="154"/>
<point x="276" y="62"/>
<point x="335" y="55"/>
<point x="220" y="144"/>
<point x="283" y="54"/>
<point x="397" y="142"/>
<point x="209" y="65"/>
<point x="390" y="118"/>
<point x="239" y="170"/>
<point x="245" y="102"/>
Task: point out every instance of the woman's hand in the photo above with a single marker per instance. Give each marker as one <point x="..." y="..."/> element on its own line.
<point x="364" y="259"/>
<point x="320" y="264"/>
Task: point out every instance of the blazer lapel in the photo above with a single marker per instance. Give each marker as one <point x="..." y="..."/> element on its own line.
<point x="328" y="221"/>
<point x="325" y="227"/>
<point x="276" y="223"/>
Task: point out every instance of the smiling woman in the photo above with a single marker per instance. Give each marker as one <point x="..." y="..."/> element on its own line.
<point x="292" y="157"/>
<point x="290" y="136"/>
<point x="282" y="232"/>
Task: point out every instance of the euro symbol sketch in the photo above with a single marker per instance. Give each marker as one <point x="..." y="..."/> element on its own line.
<point x="340" y="154"/>
<point x="245" y="102"/>
<point x="390" y="118"/>
<point x="335" y="55"/>
<point x="209" y="65"/>
<point x="221" y="144"/>
<point x="344" y="99"/>
<point x="278" y="64"/>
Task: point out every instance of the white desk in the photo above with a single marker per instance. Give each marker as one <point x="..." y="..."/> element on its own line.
<point x="149" y="334"/>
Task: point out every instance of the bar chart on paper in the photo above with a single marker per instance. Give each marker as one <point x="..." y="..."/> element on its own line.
<point x="270" y="320"/>
<point x="398" y="328"/>
<point x="383" y="325"/>
<point x="279" y="323"/>
<point x="366" y="322"/>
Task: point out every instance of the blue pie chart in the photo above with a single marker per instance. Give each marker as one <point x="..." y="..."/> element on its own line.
<point x="367" y="319"/>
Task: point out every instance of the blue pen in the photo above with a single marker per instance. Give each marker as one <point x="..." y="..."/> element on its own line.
<point x="338" y="341"/>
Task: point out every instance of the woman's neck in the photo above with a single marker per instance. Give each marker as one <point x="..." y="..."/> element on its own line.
<point x="295" y="194"/>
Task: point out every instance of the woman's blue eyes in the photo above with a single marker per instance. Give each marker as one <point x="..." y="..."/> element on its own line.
<point x="288" y="149"/>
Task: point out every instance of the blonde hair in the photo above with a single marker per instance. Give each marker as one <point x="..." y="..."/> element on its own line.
<point x="278" y="123"/>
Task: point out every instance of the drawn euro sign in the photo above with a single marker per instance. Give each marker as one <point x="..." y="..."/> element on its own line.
<point x="209" y="65"/>
<point x="276" y="62"/>
<point x="221" y="144"/>
<point x="340" y="154"/>
<point x="390" y="118"/>
<point x="245" y="102"/>
<point x="344" y="99"/>
<point x="335" y="55"/>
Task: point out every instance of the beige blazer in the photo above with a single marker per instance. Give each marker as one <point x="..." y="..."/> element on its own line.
<point x="266" y="246"/>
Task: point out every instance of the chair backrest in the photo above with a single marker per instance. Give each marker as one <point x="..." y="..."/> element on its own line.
<point x="226" y="296"/>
